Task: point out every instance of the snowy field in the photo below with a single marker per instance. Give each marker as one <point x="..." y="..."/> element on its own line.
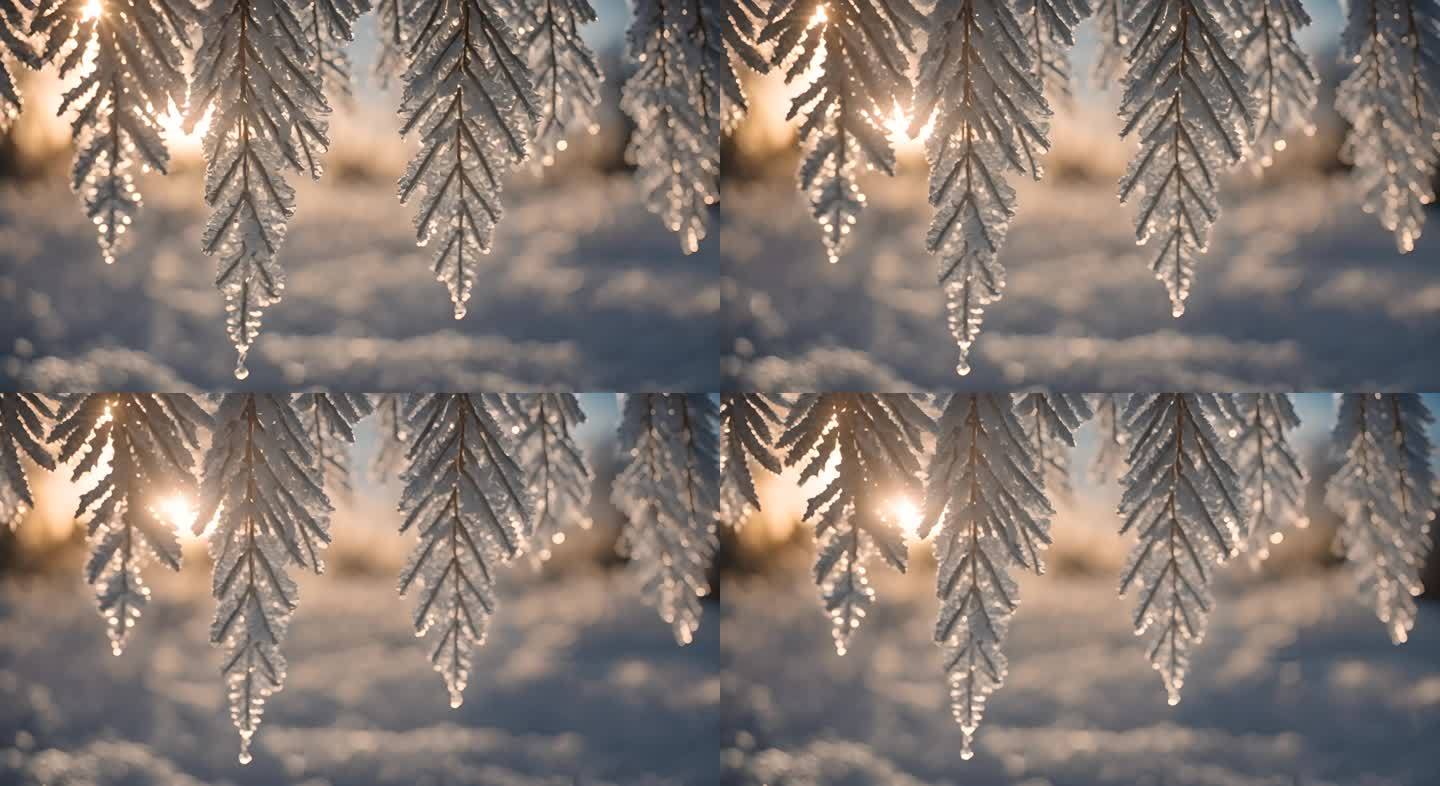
<point x="1301" y="290"/>
<point x="584" y="290"/>
<point x="580" y="684"/>
<point x="1294" y="684"/>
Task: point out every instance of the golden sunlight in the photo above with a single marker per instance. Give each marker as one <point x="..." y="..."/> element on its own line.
<point x="820" y="17"/>
<point x="184" y="143"/>
<point x="906" y="515"/>
<point x="179" y="511"/>
<point x="92" y="10"/>
<point x="898" y="128"/>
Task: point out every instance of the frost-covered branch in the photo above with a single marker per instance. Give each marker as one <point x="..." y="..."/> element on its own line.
<point x="857" y="56"/>
<point x="567" y="75"/>
<point x="1392" y="103"/>
<point x="329" y="28"/>
<point x="392" y="40"/>
<point x="470" y="98"/>
<point x="743" y="23"/>
<point x="1112" y="41"/>
<point x="669" y="491"/>
<point x="1269" y="470"/>
<point x="1188" y="102"/>
<point x="1050" y="29"/>
<point x="865" y="448"/>
<point x="253" y="72"/>
<point x="985" y="489"/>
<point x="1385" y="493"/>
<point x="141" y="447"/>
<point x="978" y="80"/>
<point x="556" y="472"/>
<point x="126" y="69"/>
<point x="1283" y="80"/>
<point x="1183" y="500"/>
<point x="330" y="420"/>
<point x="24" y="431"/>
<point x="674" y="98"/>
<point x="1050" y="421"/>
<point x="14" y="44"/>
<point x="465" y="499"/>
<point x="393" y="439"/>
<point x="261" y="488"/>
<point x="746" y="421"/>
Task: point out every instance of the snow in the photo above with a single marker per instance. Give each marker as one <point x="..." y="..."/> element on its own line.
<point x="584" y="290"/>
<point x="1300" y="289"/>
<point x="578" y="684"/>
<point x="1295" y="683"/>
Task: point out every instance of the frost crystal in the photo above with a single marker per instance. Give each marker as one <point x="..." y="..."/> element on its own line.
<point x="329" y="28"/>
<point x="669" y="491"/>
<point x="1049" y="27"/>
<point x="465" y="499"/>
<point x="985" y="489"/>
<point x="1269" y="469"/>
<point x="1188" y="102"/>
<point x="567" y="75"/>
<point x="393" y="439"/>
<point x="23" y="419"/>
<point x="745" y="423"/>
<point x="1050" y="421"/>
<point x="1182" y="498"/>
<point x="858" y="55"/>
<point x="977" y="78"/>
<point x="261" y="488"/>
<point x="269" y="117"/>
<point x="865" y="448"/>
<point x="127" y="65"/>
<point x="741" y="32"/>
<point x="330" y="420"/>
<point x="470" y="98"/>
<point x="13" y="45"/>
<point x="140" y="447"/>
<point x="556" y="473"/>
<point x="1385" y="493"/>
<point x="1392" y="103"/>
<point x="1110" y="450"/>
<point x="1283" y="80"/>
<point x="674" y="98"/>
<point x="393" y="42"/>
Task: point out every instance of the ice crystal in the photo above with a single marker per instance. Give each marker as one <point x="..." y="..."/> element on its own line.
<point x="556" y="472"/>
<point x="1269" y="470"/>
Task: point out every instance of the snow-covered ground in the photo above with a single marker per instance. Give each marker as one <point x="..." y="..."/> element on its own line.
<point x="580" y="684"/>
<point x="1295" y="683"/>
<point x="1300" y="290"/>
<point x="585" y="290"/>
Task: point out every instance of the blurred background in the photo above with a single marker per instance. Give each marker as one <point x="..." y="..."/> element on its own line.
<point x="579" y="683"/>
<point x="1295" y="683"/>
<point x="1300" y="288"/>
<point x="584" y="287"/>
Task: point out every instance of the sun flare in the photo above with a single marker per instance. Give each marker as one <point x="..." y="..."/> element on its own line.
<point x="179" y="511"/>
<point x="906" y="515"/>
<point x="92" y="10"/>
